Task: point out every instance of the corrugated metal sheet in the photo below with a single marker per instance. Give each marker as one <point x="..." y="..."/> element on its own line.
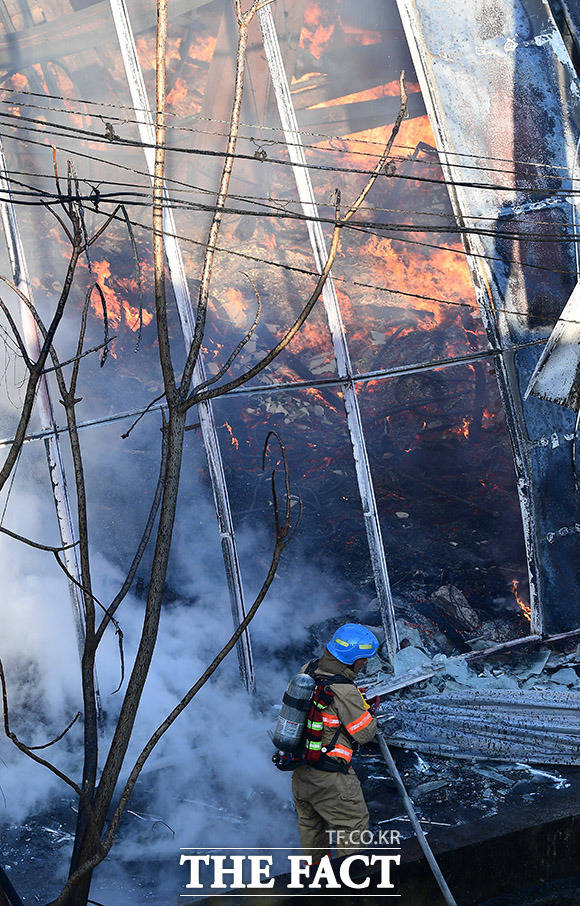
<point x="538" y="727"/>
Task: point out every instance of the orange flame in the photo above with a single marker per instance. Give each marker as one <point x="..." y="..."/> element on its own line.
<point x="178" y="94"/>
<point x="235" y="441"/>
<point x="463" y="429"/>
<point x="317" y="29"/>
<point x="118" y="309"/>
<point x="523" y="605"/>
<point x="202" y="48"/>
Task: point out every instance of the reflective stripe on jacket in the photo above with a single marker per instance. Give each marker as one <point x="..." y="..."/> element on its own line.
<point x="348" y="708"/>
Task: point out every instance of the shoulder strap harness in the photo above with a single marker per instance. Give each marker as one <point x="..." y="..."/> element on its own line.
<point x="321" y="699"/>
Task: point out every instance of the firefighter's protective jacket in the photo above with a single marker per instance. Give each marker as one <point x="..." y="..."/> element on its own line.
<point x="348" y="710"/>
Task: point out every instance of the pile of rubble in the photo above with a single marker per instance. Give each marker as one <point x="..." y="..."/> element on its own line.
<point x="517" y="702"/>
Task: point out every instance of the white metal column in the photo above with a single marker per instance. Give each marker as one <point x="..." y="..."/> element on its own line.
<point x="178" y="278"/>
<point x="331" y="304"/>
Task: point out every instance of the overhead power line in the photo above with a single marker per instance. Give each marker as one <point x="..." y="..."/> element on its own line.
<point x="75" y="132"/>
<point x="324" y="135"/>
<point x="30" y="196"/>
<point x="274" y="201"/>
<point x="261" y="142"/>
<point x="472" y="306"/>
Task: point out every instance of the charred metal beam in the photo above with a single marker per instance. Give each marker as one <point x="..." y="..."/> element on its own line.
<point x="336" y="326"/>
<point x="502" y="87"/>
<point x="531" y="726"/>
<point x="178" y="277"/>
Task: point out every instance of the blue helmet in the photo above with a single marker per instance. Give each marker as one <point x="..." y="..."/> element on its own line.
<point x="351" y="642"/>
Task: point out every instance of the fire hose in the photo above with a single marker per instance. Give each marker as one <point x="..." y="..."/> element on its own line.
<point x="409" y="808"/>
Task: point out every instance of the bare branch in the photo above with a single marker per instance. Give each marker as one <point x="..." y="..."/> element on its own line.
<point x="101" y="230"/>
<point x="201" y="313"/>
<point x="81" y="338"/>
<point x="36" y="544"/>
<point x="281" y="534"/>
<point x="68" y="233"/>
<point x="83" y="355"/>
<point x="106" y="619"/>
<point x="56" y="738"/>
<point x="165" y="357"/>
<point x="137" y="272"/>
<point x="105" y="325"/>
<point x="94" y="859"/>
<point x="286" y="480"/>
<point x="38" y="367"/>
<point x="145" y="411"/>
<point x="119" y="634"/>
<point x="16" y="333"/>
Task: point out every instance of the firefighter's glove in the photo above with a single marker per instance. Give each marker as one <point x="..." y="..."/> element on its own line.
<point x="374" y="705"/>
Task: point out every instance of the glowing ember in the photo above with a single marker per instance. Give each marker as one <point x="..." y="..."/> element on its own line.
<point x="463" y="429"/>
<point x="524" y="607"/>
<point x="234" y="440"/>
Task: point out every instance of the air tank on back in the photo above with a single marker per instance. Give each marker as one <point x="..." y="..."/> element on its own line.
<point x="293" y="713"/>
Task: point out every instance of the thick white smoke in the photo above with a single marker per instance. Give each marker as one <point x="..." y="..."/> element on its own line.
<point x="210" y="782"/>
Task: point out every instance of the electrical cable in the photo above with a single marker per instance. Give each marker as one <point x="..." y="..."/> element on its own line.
<point x="272" y="199"/>
<point x="310" y="273"/>
<point x="324" y="135"/>
<point x="75" y="132"/>
<point x="281" y="142"/>
<point x="144" y="200"/>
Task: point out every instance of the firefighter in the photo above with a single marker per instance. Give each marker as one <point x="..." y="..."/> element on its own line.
<point x="327" y="794"/>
